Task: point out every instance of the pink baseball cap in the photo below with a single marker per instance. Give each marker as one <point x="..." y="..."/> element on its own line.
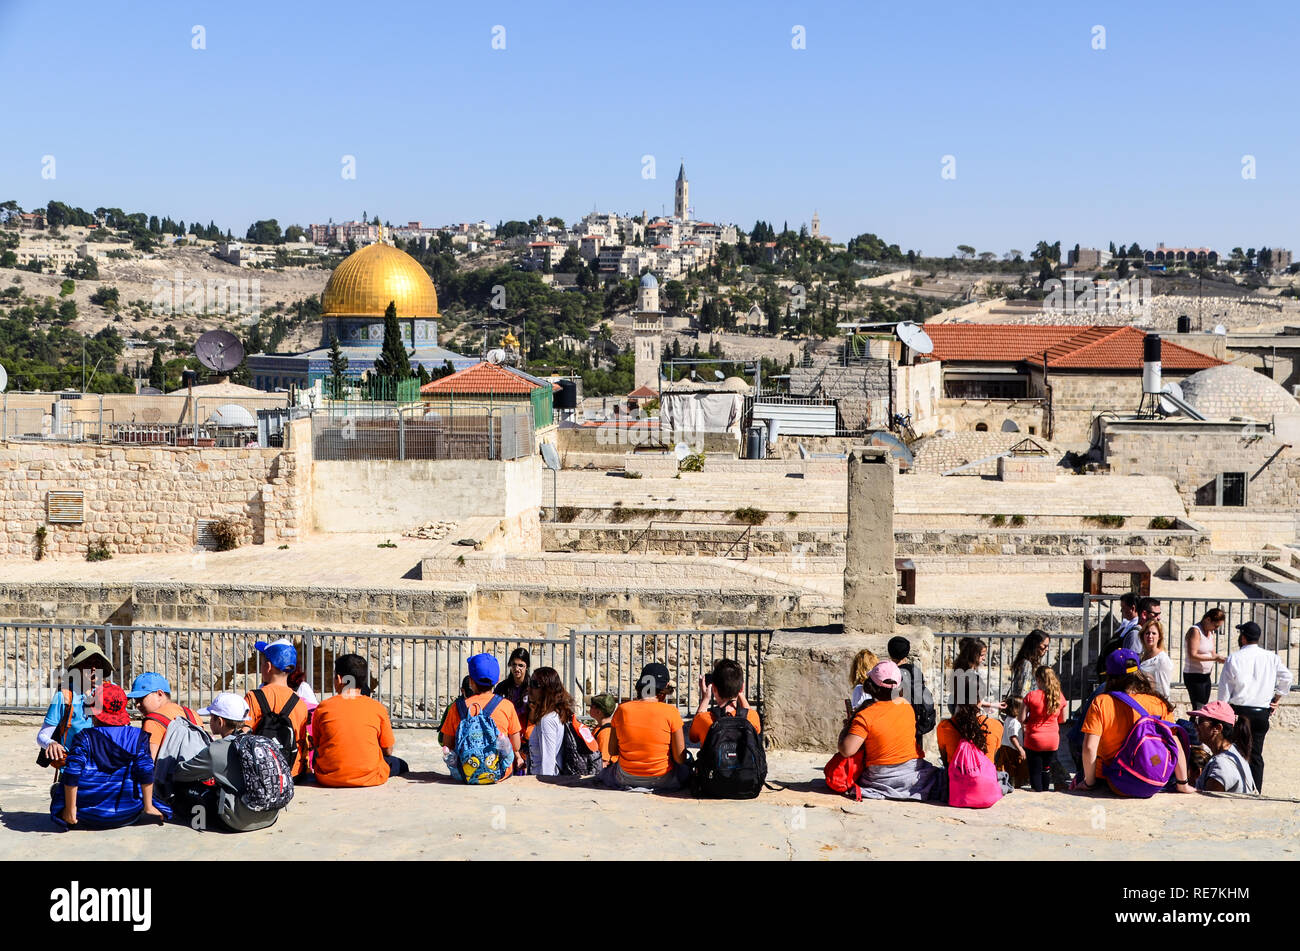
<point x="1217" y="710"/>
<point x="886" y="674"/>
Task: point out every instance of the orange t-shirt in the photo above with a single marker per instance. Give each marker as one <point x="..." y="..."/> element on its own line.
<point x="645" y="736"/>
<point x="888" y="729"/>
<point x="1112" y="720"/>
<point x="171" y="710"/>
<point x="278" y="695"/>
<point x="351" y="734"/>
<point x="602" y="735"/>
<point x="504" y="716"/>
<point x="948" y="739"/>
<point x="700" y="725"/>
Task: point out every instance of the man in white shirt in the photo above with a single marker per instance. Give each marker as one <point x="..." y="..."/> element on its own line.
<point x="1252" y="682"/>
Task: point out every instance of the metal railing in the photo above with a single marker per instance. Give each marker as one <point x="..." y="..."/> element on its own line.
<point x="611" y="661"/>
<point x="419" y="432"/>
<point x="1278" y="620"/>
<point x="417" y="676"/>
<point x="1064" y="655"/>
<point x="700" y="541"/>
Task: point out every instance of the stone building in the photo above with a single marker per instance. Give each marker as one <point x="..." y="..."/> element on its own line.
<point x="1053" y="380"/>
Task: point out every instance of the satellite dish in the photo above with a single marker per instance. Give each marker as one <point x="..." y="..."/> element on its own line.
<point x="717" y="375"/>
<point x="550" y="457"/>
<point x="1220" y="330"/>
<point x="220" y="351"/>
<point x="916" y="338"/>
<point x="1009" y="426"/>
<point x="897" y="448"/>
<point x="1167" y="407"/>
<point x="496" y="356"/>
<point x="681" y="451"/>
<point x="4" y="379"/>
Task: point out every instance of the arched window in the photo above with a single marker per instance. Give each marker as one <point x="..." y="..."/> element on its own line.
<point x="981" y="427"/>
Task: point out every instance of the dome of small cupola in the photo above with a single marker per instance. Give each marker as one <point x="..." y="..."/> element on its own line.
<point x="649" y="280"/>
<point x="1231" y="390"/>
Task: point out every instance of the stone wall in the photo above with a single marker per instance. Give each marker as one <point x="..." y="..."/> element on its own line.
<point x="963" y="415"/>
<point x="861" y="388"/>
<point x="624" y="439"/>
<point x="1077" y="398"/>
<point x="940" y="453"/>
<point x="693" y="540"/>
<point x="382" y="495"/>
<point x="1173" y="543"/>
<point x="140" y="500"/>
<point x="1193" y="453"/>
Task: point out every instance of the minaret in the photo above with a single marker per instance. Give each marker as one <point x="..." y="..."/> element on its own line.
<point x="816" y="225"/>
<point x="682" y="195"/>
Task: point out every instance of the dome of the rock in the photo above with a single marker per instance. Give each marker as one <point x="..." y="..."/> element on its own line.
<point x="366" y="280"/>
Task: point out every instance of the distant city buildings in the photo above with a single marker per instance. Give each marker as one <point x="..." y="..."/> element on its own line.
<point x="1088" y="258"/>
<point x="1163" y="255"/>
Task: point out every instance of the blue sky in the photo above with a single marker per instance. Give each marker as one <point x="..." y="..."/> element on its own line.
<point x="1141" y="141"/>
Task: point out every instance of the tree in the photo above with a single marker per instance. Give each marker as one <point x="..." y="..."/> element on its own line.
<point x="157" y="376"/>
<point x="1123" y="270"/>
<point x="265" y="232"/>
<point x="293" y="233"/>
<point x="338" y="365"/>
<point x="965" y="250"/>
<point x="393" y="362"/>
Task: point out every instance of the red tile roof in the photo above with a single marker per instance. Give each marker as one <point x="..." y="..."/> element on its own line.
<point x="1076" y="347"/>
<point x="642" y="393"/>
<point x="481" y="378"/>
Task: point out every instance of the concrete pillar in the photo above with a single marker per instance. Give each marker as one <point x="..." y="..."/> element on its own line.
<point x="870" y="585"/>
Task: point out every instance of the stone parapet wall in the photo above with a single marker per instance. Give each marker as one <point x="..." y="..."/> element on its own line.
<point x="145" y="500"/>
<point x="1172" y="543"/>
<point x="692" y="540"/>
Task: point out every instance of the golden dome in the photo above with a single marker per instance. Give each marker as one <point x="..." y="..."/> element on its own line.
<point x="366" y="280"/>
<point x="510" y="341"/>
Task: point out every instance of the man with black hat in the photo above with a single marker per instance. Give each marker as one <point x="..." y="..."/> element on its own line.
<point x="1252" y="682"/>
<point x="85" y="669"/>
<point x="648" y="739"/>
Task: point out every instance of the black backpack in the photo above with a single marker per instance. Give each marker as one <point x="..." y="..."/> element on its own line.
<point x="278" y="727"/>
<point x="577" y="758"/>
<point x="731" y="763"/>
<point x="926" y="718"/>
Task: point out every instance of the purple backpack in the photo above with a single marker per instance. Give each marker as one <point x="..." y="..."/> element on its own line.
<point x="1145" y="763"/>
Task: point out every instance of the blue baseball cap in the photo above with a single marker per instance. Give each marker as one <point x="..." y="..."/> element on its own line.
<point x="1122" y="662"/>
<point x="484" y="667"/>
<point x="281" y="654"/>
<point x="148" y="683"/>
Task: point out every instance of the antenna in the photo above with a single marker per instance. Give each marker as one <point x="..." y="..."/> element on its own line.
<point x="916" y="339"/>
<point x="220" y="351"/>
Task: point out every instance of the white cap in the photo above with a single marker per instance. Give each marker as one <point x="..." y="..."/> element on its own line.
<point x="228" y="706"/>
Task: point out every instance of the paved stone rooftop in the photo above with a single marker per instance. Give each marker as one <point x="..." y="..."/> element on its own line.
<point x="426" y="816"/>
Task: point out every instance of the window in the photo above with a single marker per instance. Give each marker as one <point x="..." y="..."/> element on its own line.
<point x="1232" y="488"/>
<point x="981" y="427"/>
<point x="1227" y="488"/>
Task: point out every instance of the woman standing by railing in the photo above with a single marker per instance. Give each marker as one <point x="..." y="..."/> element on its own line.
<point x="1200" y="656"/>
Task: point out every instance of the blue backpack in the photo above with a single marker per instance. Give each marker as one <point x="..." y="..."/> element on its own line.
<point x="478" y="752"/>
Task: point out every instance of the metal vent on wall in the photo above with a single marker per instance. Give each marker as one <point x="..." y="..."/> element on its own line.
<point x="66" y="508"/>
<point x="203" y="534"/>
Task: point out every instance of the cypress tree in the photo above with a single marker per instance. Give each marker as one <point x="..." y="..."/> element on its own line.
<point x="338" y="365"/>
<point x="157" y="377"/>
<point x="393" y="362"/>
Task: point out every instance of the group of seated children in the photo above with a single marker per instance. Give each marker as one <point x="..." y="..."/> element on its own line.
<point x="240" y="771"/>
<point x="1126" y="738"/>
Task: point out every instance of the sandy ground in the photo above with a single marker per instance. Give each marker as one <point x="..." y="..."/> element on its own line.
<point x="426" y="816"/>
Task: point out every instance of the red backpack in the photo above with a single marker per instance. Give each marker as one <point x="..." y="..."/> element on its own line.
<point x="842" y="773"/>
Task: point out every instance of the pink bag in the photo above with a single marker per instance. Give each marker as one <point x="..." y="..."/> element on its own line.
<point x="972" y="779"/>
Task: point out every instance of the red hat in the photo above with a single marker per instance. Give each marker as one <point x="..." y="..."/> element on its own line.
<point x="109" y="706"/>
